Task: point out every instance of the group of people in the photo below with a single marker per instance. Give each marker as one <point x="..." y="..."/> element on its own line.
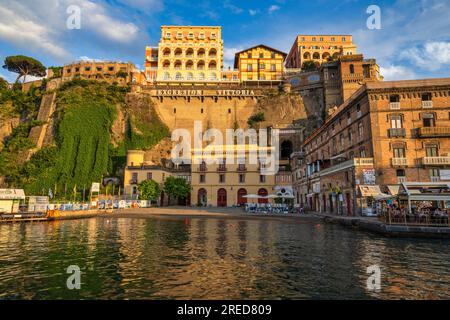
<point x="396" y="214"/>
<point x="267" y="208"/>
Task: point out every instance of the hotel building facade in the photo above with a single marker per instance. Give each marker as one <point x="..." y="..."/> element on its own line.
<point x="319" y="48"/>
<point x="190" y="54"/>
<point x="385" y="134"/>
<point x="260" y="63"/>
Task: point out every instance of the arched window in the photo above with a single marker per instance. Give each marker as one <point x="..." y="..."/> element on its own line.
<point x="177" y="64"/>
<point x="307" y="56"/>
<point x="352" y="69"/>
<point x="166" y="52"/>
<point x="178" y="52"/>
<point x="201" y="53"/>
<point x="201" y="76"/>
<point x="166" y="64"/>
<point x="325" y="56"/>
<point x="240" y="196"/>
<point x="202" y="197"/>
<point x="166" y="76"/>
<point x="212" y="65"/>
<point x="190" y="76"/>
<point x="316" y="56"/>
<point x="178" y="76"/>
<point x="201" y="65"/>
<point x="212" y="53"/>
<point x="189" y="65"/>
<point x="190" y="53"/>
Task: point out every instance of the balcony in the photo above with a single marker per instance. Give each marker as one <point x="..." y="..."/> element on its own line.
<point x="241" y="168"/>
<point x="133" y="181"/>
<point x="399" y="161"/>
<point x="427" y="104"/>
<point x="401" y="180"/>
<point x="202" y="168"/>
<point x="396" y="132"/>
<point x="394" y="105"/>
<point x="435" y="161"/>
<point x="428" y="132"/>
<point x="355" y="162"/>
<point x="222" y="167"/>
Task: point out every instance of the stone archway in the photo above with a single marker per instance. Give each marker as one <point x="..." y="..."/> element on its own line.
<point x="221" y="197"/>
<point x="240" y="196"/>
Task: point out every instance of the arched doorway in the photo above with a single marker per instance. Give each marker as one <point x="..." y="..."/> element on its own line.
<point x="286" y="149"/>
<point x="240" y="196"/>
<point x="202" y="197"/>
<point x="262" y="193"/>
<point x="221" y="197"/>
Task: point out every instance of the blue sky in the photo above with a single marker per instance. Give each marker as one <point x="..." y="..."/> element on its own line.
<point x="414" y="41"/>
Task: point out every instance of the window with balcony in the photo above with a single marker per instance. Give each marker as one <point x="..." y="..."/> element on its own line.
<point x="134" y="178"/>
<point x="432" y="150"/>
<point x="399" y="152"/>
<point x="427" y="101"/>
<point x="149" y="176"/>
<point x="262" y="66"/>
<point x="401" y="175"/>
<point x="394" y="102"/>
<point x="352" y="69"/>
<point x="350" y="135"/>
<point x="434" y="175"/>
<point x="249" y="68"/>
<point x="360" y="130"/>
<point x="362" y="152"/>
<point x="428" y="120"/>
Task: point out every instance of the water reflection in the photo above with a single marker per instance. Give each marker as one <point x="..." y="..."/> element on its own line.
<point x="214" y="258"/>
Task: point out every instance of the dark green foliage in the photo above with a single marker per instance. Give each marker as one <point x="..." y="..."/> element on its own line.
<point x="310" y="65"/>
<point x="57" y="71"/>
<point x="24" y="66"/>
<point x="3" y="84"/>
<point x="149" y="190"/>
<point x="177" y="188"/>
<point x="256" y="119"/>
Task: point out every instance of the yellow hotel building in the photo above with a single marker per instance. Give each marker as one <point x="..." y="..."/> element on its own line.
<point x="260" y="63"/>
<point x="225" y="185"/>
<point x="190" y="53"/>
<point x="319" y="48"/>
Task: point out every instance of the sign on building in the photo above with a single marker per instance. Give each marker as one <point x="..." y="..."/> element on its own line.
<point x="369" y="176"/>
<point x="95" y="187"/>
<point x="445" y="175"/>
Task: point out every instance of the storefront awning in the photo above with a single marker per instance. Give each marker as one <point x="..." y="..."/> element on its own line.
<point x="393" y="189"/>
<point x="373" y="191"/>
<point x="12" y="194"/>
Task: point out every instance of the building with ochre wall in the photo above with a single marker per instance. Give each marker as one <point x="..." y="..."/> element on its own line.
<point x="319" y="48"/>
<point x="190" y="53"/>
<point x="260" y="63"/>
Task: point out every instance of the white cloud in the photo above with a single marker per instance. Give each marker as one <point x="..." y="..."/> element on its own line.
<point x="26" y="33"/>
<point x="432" y="56"/>
<point x="252" y="12"/>
<point x="147" y="6"/>
<point x="396" y="72"/>
<point x="234" y="9"/>
<point x="228" y="56"/>
<point x="40" y="25"/>
<point x="273" y="8"/>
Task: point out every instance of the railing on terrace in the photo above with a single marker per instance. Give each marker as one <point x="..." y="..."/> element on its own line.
<point x="399" y="161"/>
<point x="422" y="219"/>
<point x="434" y="132"/>
<point x="396" y="132"/>
<point x="427" y="104"/>
<point x="394" y="105"/>
<point x="436" y="161"/>
<point x="355" y="162"/>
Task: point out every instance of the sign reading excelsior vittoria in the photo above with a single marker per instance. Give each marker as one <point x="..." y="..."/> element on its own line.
<point x="204" y="93"/>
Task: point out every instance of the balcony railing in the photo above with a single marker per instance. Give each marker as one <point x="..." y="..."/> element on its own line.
<point x="426" y="132"/>
<point x="202" y="168"/>
<point x="427" y="104"/>
<point x="401" y="180"/>
<point x="133" y="181"/>
<point x="241" y="168"/>
<point x="399" y="161"/>
<point x="396" y="132"/>
<point x="394" y="105"/>
<point x="436" y="161"/>
<point x="221" y="167"/>
<point x="355" y="162"/>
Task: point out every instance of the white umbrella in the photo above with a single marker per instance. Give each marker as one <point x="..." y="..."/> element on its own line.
<point x="252" y="196"/>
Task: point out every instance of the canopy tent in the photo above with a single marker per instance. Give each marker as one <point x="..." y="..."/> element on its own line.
<point x="425" y="191"/>
<point x="12" y="194"/>
<point x="373" y="191"/>
<point x="253" y="196"/>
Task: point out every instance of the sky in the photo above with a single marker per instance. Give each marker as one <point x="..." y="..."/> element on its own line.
<point x="412" y="43"/>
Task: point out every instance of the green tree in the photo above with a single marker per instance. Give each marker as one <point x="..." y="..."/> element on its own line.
<point x="57" y="71"/>
<point x="149" y="190"/>
<point x="310" y="65"/>
<point x="24" y="66"/>
<point x="3" y="84"/>
<point x="256" y="119"/>
<point x="177" y="188"/>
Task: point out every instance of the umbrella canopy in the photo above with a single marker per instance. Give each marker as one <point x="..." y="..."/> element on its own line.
<point x="252" y="196"/>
